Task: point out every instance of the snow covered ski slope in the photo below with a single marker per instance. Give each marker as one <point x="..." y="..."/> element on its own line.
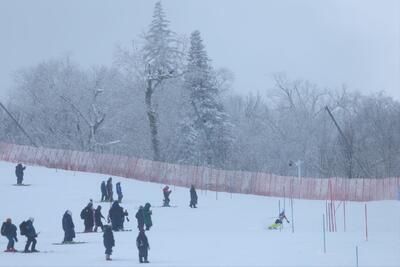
<point x="225" y="230"/>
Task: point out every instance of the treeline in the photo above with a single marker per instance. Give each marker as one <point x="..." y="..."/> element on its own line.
<point x="163" y="100"/>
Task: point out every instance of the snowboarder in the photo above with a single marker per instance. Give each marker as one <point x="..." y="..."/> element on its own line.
<point x="143" y="246"/>
<point x="19" y="172"/>
<point x="117" y="216"/>
<point x="147" y="216"/>
<point x="109" y="188"/>
<point x="140" y="218"/>
<point x="97" y="219"/>
<point x="27" y="229"/>
<point x="108" y="241"/>
<point x="9" y="230"/>
<point x="87" y="214"/>
<point x="68" y="227"/>
<point x="104" y="196"/>
<point x="279" y="221"/>
<point x="193" y="197"/>
<point x="119" y="191"/>
<point x="166" y="193"/>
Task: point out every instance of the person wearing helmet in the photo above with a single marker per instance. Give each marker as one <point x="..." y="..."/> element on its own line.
<point x="9" y="230"/>
<point x="68" y="227"/>
<point x="279" y="221"/>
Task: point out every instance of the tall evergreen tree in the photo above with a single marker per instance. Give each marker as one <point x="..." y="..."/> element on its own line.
<point x="206" y="128"/>
<point x="160" y="57"/>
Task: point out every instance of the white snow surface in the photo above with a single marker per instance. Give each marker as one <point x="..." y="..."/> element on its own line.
<point x="225" y="229"/>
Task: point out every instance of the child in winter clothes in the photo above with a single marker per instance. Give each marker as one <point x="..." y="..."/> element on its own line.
<point x="108" y="240"/>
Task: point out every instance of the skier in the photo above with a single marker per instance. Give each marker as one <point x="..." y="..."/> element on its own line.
<point x="9" y="230"/>
<point x="104" y="196"/>
<point x="27" y="229"/>
<point x="279" y="221"/>
<point x="19" y="172"/>
<point x="109" y="187"/>
<point x="119" y="192"/>
<point x="87" y="214"/>
<point x="117" y="216"/>
<point x="166" y="193"/>
<point x="140" y="218"/>
<point x="143" y="246"/>
<point x="193" y="197"/>
<point x="97" y="219"/>
<point x="147" y="216"/>
<point x="68" y="227"/>
<point x="108" y="241"/>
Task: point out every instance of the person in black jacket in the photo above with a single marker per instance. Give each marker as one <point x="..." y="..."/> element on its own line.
<point x="31" y="234"/>
<point x="87" y="214"/>
<point x="140" y="218"/>
<point x="119" y="192"/>
<point x="193" y="197"/>
<point x="108" y="241"/>
<point x="97" y="219"/>
<point x="117" y="216"/>
<point x="104" y="196"/>
<point x="109" y="188"/>
<point x="143" y="246"/>
<point x="68" y="227"/>
<point x="19" y="172"/>
<point x="166" y="193"/>
<point x="9" y="230"/>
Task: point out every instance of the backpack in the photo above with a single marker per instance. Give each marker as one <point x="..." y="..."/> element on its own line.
<point x="3" y="229"/>
<point x="83" y="213"/>
<point x="22" y="228"/>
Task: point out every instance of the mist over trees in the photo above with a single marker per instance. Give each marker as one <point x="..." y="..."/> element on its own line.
<point x="163" y="100"/>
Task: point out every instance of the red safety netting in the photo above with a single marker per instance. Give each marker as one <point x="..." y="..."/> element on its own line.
<point x="257" y="183"/>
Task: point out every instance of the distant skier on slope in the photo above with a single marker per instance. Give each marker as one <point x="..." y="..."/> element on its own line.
<point x="97" y="219"/>
<point x="108" y="241"/>
<point x="27" y="229"/>
<point x="104" y="196"/>
<point x="193" y="197"/>
<point x="68" y="227"/>
<point x="9" y="230"/>
<point x="147" y="216"/>
<point x="87" y="215"/>
<point x="110" y="192"/>
<point x="166" y="193"/>
<point x="279" y="221"/>
<point x="19" y="172"/>
<point x="117" y="216"/>
<point x="140" y="218"/>
<point x="119" y="192"/>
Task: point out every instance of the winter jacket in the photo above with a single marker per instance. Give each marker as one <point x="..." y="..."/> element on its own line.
<point x="108" y="237"/>
<point x="30" y="230"/>
<point x="140" y="218"/>
<point x="193" y="195"/>
<point x="119" y="189"/>
<point x="98" y="216"/>
<point x="87" y="214"/>
<point x="141" y="241"/>
<point x="19" y="170"/>
<point x="117" y="216"/>
<point x="147" y="215"/>
<point x="68" y="225"/>
<point x="103" y="188"/>
<point x="9" y="229"/>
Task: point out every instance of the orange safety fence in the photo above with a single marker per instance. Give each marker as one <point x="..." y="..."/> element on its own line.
<point x="257" y="183"/>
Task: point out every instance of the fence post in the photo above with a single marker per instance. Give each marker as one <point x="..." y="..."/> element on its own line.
<point x="291" y="204"/>
<point x="356" y="256"/>
<point x="344" y="215"/>
<point x="323" y="231"/>
<point x="366" y="222"/>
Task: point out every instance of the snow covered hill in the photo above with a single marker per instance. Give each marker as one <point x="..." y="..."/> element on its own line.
<point x="226" y="230"/>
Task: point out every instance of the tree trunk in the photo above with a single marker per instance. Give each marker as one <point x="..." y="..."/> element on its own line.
<point x="151" y="114"/>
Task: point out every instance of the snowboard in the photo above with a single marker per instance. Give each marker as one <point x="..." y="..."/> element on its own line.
<point x="69" y="243"/>
<point x="89" y="232"/>
<point x="21" y="184"/>
<point x="170" y="206"/>
<point x="30" y="252"/>
<point x="274" y="226"/>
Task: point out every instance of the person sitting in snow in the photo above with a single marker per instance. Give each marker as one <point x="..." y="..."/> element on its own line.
<point x="166" y="193"/>
<point x="9" y="230"/>
<point x="68" y="227"/>
<point x="108" y="241"/>
<point x="279" y="221"/>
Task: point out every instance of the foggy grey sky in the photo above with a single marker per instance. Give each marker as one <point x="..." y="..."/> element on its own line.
<point x="352" y="42"/>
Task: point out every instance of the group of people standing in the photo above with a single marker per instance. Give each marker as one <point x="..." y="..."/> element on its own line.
<point x="107" y="193"/>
